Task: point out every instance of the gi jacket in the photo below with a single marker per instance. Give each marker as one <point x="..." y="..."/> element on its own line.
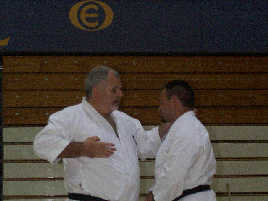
<point x="184" y="161"/>
<point x="115" y="178"/>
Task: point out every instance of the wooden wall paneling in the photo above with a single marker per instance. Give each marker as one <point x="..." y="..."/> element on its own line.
<point x="135" y="81"/>
<point x="238" y="132"/>
<point x="37" y="98"/>
<point x="245" y="180"/>
<point x="56" y="186"/>
<point x="216" y="133"/>
<point x="47" y="170"/>
<point x="249" y="197"/>
<point x="44" y="81"/>
<point x="224" y="167"/>
<point x="21" y="64"/>
<point x="204" y="98"/>
<point x="230" y="91"/>
<point x="149" y="115"/>
<point x="197" y="81"/>
<point x="256" y="184"/>
<point x="145" y="64"/>
<point x="20" y="134"/>
<point x="221" y="150"/>
<point x="33" y="170"/>
<point x="220" y="197"/>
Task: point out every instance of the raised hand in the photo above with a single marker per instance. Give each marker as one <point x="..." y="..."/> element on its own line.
<point x="149" y="197"/>
<point x="93" y="148"/>
<point x="163" y="129"/>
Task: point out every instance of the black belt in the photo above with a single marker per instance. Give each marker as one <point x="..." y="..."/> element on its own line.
<point x="197" y="189"/>
<point x="82" y="197"/>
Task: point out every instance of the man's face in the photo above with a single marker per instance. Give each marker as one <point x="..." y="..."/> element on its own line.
<point x="110" y="93"/>
<point x="165" y="107"/>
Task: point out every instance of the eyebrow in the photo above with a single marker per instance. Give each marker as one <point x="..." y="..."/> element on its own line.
<point x="115" y="87"/>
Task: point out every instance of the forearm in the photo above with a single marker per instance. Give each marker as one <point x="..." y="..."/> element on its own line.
<point x="73" y="150"/>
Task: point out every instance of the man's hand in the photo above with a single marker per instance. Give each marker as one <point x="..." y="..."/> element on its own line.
<point x="163" y="129"/>
<point x="93" y="148"/>
<point x="149" y="197"/>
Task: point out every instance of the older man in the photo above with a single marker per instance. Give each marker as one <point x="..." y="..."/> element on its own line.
<point x="185" y="163"/>
<point x="98" y="143"/>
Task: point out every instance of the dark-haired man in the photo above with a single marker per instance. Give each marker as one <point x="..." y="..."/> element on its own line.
<point x="185" y="163"/>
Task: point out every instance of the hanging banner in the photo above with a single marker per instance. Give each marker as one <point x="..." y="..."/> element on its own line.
<point x="133" y="26"/>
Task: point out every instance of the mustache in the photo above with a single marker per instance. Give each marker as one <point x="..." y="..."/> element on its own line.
<point x="163" y="120"/>
<point x="117" y="100"/>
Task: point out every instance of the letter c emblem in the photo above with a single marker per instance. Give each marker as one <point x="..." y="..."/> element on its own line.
<point x="91" y="15"/>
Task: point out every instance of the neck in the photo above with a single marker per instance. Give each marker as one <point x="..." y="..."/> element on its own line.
<point x="180" y="113"/>
<point x="106" y="115"/>
<point x="98" y="108"/>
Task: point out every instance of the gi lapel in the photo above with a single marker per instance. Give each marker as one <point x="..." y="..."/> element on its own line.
<point x="96" y="117"/>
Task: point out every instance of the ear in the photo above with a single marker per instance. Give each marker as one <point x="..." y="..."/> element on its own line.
<point x="175" y="101"/>
<point x="95" y="92"/>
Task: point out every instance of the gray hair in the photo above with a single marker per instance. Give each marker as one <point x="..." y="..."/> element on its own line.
<point x="95" y="76"/>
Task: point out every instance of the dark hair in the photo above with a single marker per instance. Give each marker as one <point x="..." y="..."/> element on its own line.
<point x="183" y="91"/>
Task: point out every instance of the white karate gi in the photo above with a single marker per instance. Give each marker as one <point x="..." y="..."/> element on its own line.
<point x="184" y="161"/>
<point x="116" y="178"/>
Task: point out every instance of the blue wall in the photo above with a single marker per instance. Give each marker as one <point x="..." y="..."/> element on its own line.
<point x="150" y="26"/>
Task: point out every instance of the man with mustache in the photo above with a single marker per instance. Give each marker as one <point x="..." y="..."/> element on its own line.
<point x="185" y="163"/>
<point x="98" y="143"/>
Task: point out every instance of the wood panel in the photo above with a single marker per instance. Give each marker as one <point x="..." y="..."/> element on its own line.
<point x="250" y="196"/>
<point x="148" y="115"/>
<point x="224" y="133"/>
<point x="226" y="150"/>
<point x="56" y="187"/>
<point x="47" y="170"/>
<point x="239" y="184"/>
<point x="241" y="197"/>
<point x="145" y="64"/>
<point x="257" y="184"/>
<point x="66" y="98"/>
<point x="209" y="116"/>
<point x="147" y="160"/>
<point x="223" y="168"/>
<point x="136" y="81"/>
<point x="229" y="90"/>
<point x="221" y="197"/>
<point x="28" y="170"/>
<point x="238" y="132"/>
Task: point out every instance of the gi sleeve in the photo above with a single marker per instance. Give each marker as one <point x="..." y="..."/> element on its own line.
<point x="148" y="142"/>
<point x="53" y="139"/>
